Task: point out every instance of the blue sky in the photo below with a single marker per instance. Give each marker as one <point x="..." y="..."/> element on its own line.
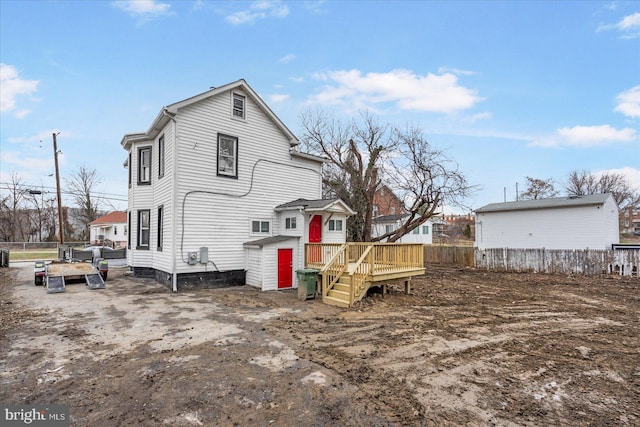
<point x="507" y="89"/>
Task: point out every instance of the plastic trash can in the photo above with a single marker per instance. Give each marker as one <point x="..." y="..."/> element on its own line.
<point x="307" y="279"/>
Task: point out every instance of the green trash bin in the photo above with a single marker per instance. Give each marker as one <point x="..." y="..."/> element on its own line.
<point x="307" y="279"/>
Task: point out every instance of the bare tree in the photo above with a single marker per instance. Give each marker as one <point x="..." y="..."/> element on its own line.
<point x="42" y="215"/>
<point x="363" y="155"/>
<point x="12" y="205"/>
<point x="538" y="189"/>
<point x="582" y="183"/>
<point x="82" y="188"/>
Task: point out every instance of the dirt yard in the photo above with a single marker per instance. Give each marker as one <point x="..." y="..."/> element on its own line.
<point x="467" y="347"/>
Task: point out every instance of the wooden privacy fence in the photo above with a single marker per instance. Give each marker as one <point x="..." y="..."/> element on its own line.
<point x="459" y="255"/>
<point x="588" y="261"/>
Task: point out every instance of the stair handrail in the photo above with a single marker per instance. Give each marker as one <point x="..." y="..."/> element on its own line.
<point x="354" y="280"/>
<point x="326" y="287"/>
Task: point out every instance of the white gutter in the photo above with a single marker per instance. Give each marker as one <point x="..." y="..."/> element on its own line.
<point x="174" y="204"/>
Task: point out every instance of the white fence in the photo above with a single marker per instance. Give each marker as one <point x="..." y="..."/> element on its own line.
<point x="591" y="262"/>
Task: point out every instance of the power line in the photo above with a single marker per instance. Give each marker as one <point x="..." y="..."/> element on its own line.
<point x="24" y="187"/>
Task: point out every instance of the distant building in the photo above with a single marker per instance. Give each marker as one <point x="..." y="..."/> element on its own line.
<point x="584" y="222"/>
<point x="389" y="223"/>
<point x="630" y="220"/>
<point x="109" y="230"/>
<point x="386" y="203"/>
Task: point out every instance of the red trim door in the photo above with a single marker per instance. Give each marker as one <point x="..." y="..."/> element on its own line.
<point x="315" y="229"/>
<point x="315" y="236"/>
<point x="285" y="268"/>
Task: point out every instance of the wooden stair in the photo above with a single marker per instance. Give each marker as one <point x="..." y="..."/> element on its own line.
<point x="341" y="291"/>
<point x="339" y="294"/>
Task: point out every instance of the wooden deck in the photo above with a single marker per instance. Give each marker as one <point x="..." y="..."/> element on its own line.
<point x="347" y="271"/>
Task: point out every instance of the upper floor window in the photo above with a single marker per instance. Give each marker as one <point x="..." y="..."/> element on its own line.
<point x="115" y="230"/>
<point x="335" y="225"/>
<point x="416" y="230"/>
<point x="129" y="167"/>
<point x="227" y="156"/>
<point x="239" y="106"/>
<point x="259" y="226"/>
<point x="290" y="223"/>
<point x="425" y="229"/>
<point x="161" y="157"/>
<point x="388" y="228"/>
<point x="144" y="165"/>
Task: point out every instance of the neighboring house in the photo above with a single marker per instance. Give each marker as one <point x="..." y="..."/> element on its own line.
<point x="458" y="225"/>
<point x="110" y="230"/>
<point x="216" y="189"/>
<point x="386" y="203"/>
<point x="630" y="220"/>
<point x="388" y="223"/>
<point x="556" y="223"/>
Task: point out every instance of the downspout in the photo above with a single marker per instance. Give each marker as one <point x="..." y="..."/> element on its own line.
<point x="174" y="203"/>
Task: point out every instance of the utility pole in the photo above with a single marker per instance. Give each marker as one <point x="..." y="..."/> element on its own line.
<point x="55" y="157"/>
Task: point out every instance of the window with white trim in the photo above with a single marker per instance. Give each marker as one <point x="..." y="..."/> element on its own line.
<point x="335" y="225"/>
<point x="161" y="157"/>
<point x="388" y="229"/>
<point x="160" y="230"/>
<point x="144" y="228"/>
<point x="260" y="227"/>
<point x="239" y="103"/>
<point x="227" y="156"/>
<point x="290" y="223"/>
<point x="416" y="230"/>
<point x="144" y="166"/>
<point x="425" y="229"/>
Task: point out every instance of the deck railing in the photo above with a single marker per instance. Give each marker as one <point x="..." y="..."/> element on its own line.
<point x="361" y="261"/>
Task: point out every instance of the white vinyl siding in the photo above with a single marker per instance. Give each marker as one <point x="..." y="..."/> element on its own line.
<point x="266" y="178"/>
<point x="578" y="227"/>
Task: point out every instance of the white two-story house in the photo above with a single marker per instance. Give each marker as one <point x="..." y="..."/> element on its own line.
<point x="219" y="194"/>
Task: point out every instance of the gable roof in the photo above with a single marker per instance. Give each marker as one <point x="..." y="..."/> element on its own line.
<point x="168" y="112"/>
<point x="115" y="217"/>
<point x="551" y="203"/>
<point x="315" y="205"/>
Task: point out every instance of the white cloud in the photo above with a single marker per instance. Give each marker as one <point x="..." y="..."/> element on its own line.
<point x="629" y="102"/>
<point x="409" y="91"/>
<point x="456" y="71"/>
<point x="287" y="58"/>
<point x="587" y="136"/>
<point x="144" y="10"/>
<point x="629" y="26"/>
<point x="27" y="163"/>
<point x="632" y="175"/>
<point x="278" y="97"/>
<point x="258" y="10"/>
<point x="12" y="86"/>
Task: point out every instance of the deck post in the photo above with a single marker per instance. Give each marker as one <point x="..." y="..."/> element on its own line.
<point x="407" y="286"/>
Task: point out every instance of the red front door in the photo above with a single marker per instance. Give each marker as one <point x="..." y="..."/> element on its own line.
<point x="315" y="236"/>
<point x="285" y="268"/>
<point x="315" y="229"/>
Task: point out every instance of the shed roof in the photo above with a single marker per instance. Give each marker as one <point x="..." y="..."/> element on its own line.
<point x="550" y="203"/>
<point x="269" y="240"/>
